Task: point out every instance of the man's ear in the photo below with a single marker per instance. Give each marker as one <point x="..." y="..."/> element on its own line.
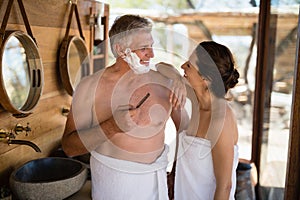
<point x="119" y="50"/>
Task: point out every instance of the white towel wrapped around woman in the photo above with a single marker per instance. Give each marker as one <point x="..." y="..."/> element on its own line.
<point x="195" y="179"/>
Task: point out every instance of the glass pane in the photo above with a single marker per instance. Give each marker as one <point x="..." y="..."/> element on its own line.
<point x="284" y="20"/>
<point x="175" y="41"/>
<point x="242" y="94"/>
<point x="74" y="65"/>
<point x="239" y="37"/>
<point x="15" y="72"/>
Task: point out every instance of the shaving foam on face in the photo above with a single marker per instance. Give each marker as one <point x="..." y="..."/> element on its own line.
<point x="134" y="62"/>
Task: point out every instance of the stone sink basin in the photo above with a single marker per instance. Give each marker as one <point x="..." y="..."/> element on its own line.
<point x="48" y="178"/>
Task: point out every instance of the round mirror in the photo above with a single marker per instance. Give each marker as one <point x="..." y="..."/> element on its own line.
<point x="74" y="62"/>
<point x="21" y="73"/>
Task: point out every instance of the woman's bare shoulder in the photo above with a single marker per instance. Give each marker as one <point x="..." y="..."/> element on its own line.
<point x="232" y="122"/>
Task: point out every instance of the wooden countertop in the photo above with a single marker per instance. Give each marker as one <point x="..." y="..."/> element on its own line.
<point x="83" y="194"/>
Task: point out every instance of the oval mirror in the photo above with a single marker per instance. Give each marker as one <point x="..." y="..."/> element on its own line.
<point x="21" y="73"/>
<point x="74" y="62"/>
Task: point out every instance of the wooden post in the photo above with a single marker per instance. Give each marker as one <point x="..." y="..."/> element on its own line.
<point x="292" y="183"/>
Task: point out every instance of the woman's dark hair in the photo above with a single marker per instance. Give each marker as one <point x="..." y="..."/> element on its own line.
<point x="216" y="63"/>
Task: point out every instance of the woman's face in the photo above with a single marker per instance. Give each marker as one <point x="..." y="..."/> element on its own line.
<point x="193" y="76"/>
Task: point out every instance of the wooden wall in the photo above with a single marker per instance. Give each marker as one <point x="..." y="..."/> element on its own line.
<point x="48" y="20"/>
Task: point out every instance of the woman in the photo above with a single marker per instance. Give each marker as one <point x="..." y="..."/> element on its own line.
<point x="207" y="154"/>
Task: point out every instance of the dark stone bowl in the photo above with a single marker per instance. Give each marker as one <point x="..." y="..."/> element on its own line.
<point x="48" y="178"/>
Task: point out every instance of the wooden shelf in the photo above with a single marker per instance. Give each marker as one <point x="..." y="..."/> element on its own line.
<point x="99" y="56"/>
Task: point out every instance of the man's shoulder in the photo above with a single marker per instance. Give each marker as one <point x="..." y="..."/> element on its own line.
<point x="157" y="76"/>
<point x="91" y="78"/>
<point x="89" y="82"/>
<point x="155" y="73"/>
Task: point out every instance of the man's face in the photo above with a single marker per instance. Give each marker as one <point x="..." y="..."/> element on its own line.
<point x="142" y="43"/>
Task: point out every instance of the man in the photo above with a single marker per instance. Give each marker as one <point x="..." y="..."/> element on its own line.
<point x="119" y="115"/>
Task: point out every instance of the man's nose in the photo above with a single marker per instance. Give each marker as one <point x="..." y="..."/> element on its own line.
<point x="150" y="52"/>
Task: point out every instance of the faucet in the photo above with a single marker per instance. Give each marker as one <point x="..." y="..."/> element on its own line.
<point x="6" y="134"/>
<point x="10" y="137"/>
<point x="25" y="142"/>
<point x="19" y="128"/>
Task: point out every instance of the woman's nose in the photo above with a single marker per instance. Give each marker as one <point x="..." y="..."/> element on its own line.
<point x="184" y="66"/>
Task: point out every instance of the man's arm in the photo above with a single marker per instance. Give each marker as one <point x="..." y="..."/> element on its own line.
<point x="78" y="142"/>
<point x="81" y="141"/>
<point x="79" y="119"/>
<point x="81" y="134"/>
<point x="71" y="142"/>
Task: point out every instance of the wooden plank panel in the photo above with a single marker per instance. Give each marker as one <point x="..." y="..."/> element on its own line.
<point x="56" y="15"/>
<point x="52" y="79"/>
<point x="49" y="39"/>
<point x="48" y="20"/>
<point x="18" y="155"/>
<point x="46" y="117"/>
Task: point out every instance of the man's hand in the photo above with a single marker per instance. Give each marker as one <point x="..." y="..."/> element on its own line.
<point x="178" y="94"/>
<point x="124" y="117"/>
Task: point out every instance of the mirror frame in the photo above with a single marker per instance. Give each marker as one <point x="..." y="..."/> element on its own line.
<point x="36" y="74"/>
<point x="64" y="64"/>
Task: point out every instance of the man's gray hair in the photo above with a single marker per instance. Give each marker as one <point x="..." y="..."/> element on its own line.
<point x="124" y="28"/>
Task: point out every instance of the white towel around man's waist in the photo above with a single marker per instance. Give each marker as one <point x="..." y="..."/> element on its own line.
<point x="114" y="179"/>
<point x="195" y="179"/>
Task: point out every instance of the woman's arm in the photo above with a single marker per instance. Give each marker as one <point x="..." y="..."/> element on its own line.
<point x="223" y="156"/>
<point x="178" y="94"/>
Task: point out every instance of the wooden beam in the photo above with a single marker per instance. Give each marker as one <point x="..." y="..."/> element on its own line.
<point x="224" y="23"/>
<point x="259" y="95"/>
<point x="292" y="183"/>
